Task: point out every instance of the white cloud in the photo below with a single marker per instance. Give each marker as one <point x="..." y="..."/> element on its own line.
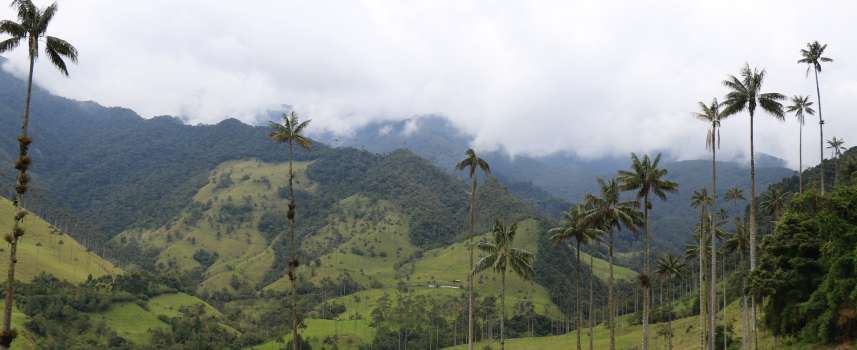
<point x="592" y="77"/>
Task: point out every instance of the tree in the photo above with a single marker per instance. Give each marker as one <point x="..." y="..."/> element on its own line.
<point x="773" y="202"/>
<point x="745" y="94"/>
<point x="669" y="267"/>
<point x="291" y="133"/>
<point x="609" y="212"/>
<point x="574" y="227"/>
<point x="472" y="163"/>
<point x="501" y="257"/>
<point x="646" y="178"/>
<point x="711" y="114"/>
<point x="31" y="27"/>
<point x="836" y="147"/>
<point x="813" y="57"/>
<point x="740" y="242"/>
<point x="700" y="199"/>
<point x="800" y="105"/>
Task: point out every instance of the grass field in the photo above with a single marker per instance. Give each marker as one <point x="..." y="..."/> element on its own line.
<point x="601" y="269"/>
<point x="45" y="249"/>
<point x="349" y="334"/>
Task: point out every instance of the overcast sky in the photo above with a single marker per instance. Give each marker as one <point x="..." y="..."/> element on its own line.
<point x="592" y="77"/>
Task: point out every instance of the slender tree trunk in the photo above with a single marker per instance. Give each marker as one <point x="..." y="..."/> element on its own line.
<point x="646" y="289"/>
<point x="470" y="273"/>
<point x="745" y="322"/>
<point x="712" y="314"/>
<point x="293" y="259"/>
<point x="577" y="306"/>
<point x="591" y="323"/>
<point x="800" y="158"/>
<point x="610" y="322"/>
<point x="723" y="287"/>
<point x="821" y="148"/>
<point x="753" y="215"/>
<point x="6" y="337"/>
<point x="503" y="310"/>
<point x="701" y="253"/>
<point x="669" y="322"/>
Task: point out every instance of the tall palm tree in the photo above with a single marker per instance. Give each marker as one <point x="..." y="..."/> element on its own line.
<point x="610" y="213"/>
<point x="32" y="26"/>
<point x="711" y="114"/>
<point x="700" y="199"/>
<point x="574" y="227"/>
<point x="740" y="242"/>
<point x="745" y="94"/>
<point x="291" y="133"/>
<point x="669" y="267"/>
<point x="472" y="163"/>
<point x="800" y="105"/>
<point x="836" y="147"/>
<point x="501" y="257"/>
<point x="774" y="202"/>
<point x="813" y="57"/>
<point x="646" y="179"/>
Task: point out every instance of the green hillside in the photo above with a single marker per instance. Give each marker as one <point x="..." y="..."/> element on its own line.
<point x="45" y="249"/>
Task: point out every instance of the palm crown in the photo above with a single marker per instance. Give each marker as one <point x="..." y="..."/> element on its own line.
<point x="32" y="25"/>
<point x="291" y="131"/>
<point x="471" y="162"/>
<point x="745" y="93"/>
<point x="669" y="266"/>
<point x="646" y="178"/>
<point x="608" y="211"/>
<point x="836" y="145"/>
<point x="501" y="257"/>
<point x="734" y="194"/>
<point x="574" y="226"/>
<point x="801" y="105"/>
<point x="711" y="114"/>
<point x="813" y="57"/>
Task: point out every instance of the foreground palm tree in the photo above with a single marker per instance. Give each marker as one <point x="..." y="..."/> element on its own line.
<point x="472" y="163"/>
<point x="745" y="94"/>
<point x="31" y="28"/>
<point x="836" y="147"/>
<point x="669" y="267"/>
<point x="291" y="133"/>
<point x="646" y="178"/>
<point x="574" y="227"/>
<point x="711" y="114"/>
<point x="800" y="105"/>
<point x="813" y="57"/>
<point x="700" y="200"/>
<point x="501" y="258"/>
<point x="609" y="213"/>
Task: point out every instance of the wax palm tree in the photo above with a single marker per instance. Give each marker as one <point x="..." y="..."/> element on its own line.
<point x="291" y="133"/>
<point x="836" y="147"/>
<point x="740" y="242"/>
<point x="711" y="114"/>
<point x="801" y="105"/>
<point x="774" y="202"/>
<point x="700" y="199"/>
<point x="501" y="258"/>
<point x="669" y="267"/>
<point x="31" y="27"/>
<point x="574" y="227"/>
<point x="610" y="213"/>
<point x="646" y="179"/>
<point x="472" y="163"/>
<point x="813" y="57"/>
<point x="745" y="94"/>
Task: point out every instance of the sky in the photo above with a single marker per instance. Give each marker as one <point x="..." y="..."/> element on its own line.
<point x="595" y="78"/>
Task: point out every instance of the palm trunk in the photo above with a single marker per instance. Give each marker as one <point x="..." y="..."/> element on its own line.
<point x="470" y="273"/>
<point x="646" y="290"/>
<point x="745" y="338"/>
<point x="293" y="259"/>
<point x="701" y="253"/>
<point x="577" y="305"/>
<point x="712" y="314"/>
<point x="591" y="323"/>
<point x="669" y="322"/>
<point x="723" y="287"/>
<point x="800" y="158"/>
<point x="610" y="297"/>
<point x="503" y="310"/>
<point x="6" y="337"/>
<point x="820" y="144"/>
<point x="753" y="215"/>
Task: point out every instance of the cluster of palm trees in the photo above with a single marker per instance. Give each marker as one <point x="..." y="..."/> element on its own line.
<point x="30" y="28"/>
